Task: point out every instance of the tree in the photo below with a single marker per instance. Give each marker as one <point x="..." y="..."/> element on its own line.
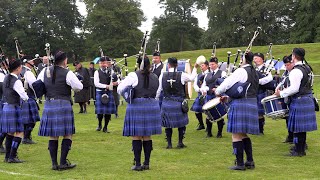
<point x="178" y="28"/>
<point x="36" y="22"/>
<point x="113" y="25"/>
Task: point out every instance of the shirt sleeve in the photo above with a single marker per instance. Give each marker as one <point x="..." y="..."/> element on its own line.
<point x="266" y="79"/>
<point x="41" y="75"/>
<point x="73" y="81"/>
<point x="160" y="86"/>
<point x="18" y="87"/>
<point x="188" y="77"/>
<point x="239" y="75"/>
<point x="295" y="78"/>
<point x="195" y="85"/>
<point x="30" y="78"/>
<point x="96" y="81"/>
<point x="2" y="77"/>
<point x="130" y="80"/>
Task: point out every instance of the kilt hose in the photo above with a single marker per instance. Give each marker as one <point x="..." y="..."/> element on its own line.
<point x="302" y="116"/>
<point x="171" y="113"/>
<point x="109" y="108"/>
<point x="30" y="112"/>
<point x="57" y="118"/>
<point x="11" y="120"/>
<point x="243" y="116"/>
<point x="142" y="118"/>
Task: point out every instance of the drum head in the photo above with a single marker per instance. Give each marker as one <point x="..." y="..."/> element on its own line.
<point x="269" y="98"/>
<point x="212" y="103"/>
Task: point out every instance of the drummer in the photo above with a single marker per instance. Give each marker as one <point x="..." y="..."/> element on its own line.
<point x="207" y="89"/>
<point x="264" y="78"/>
<point x="199" y="101"/>
<point x="302" y="116"/>
<point x="284" y="83"/>
<point x="243" y="112"/>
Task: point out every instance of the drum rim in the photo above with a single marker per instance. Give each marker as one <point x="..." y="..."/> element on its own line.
<point x="270" y="98"/>
<point x="211" y="100"/>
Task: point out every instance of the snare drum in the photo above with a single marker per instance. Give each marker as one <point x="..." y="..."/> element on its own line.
<point x="183" y="66"/>
<point x="275" y="107"/>
<point x="215" y="110"/>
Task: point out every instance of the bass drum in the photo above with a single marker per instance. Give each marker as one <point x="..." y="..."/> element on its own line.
<point x="183" y="66"/>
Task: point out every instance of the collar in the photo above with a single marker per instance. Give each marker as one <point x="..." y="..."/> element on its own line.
<point x="298" y="63"/>
<point x="246" y="65"/>
<point x="215" y="71"/>
<point x="157" y="65"/>
<point x="205" y="72"/>
<point x="259" y="67"/>
<point x="27" y="68"/>
<point x="171" y="70"/>
<point x="14" y="75"/>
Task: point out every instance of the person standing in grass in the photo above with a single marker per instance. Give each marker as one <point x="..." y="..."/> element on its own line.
<point x="11" y="120"/>
<point x="2" y="75"/>
<point x="83" y="96"/>
<point x="243" y="116"/>
<point x="58" y="117"/>
<point x="302" y="116"/>
<point x="142" y="119"/>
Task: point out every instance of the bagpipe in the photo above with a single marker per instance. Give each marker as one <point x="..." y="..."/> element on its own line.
<point x="3" y="62"/>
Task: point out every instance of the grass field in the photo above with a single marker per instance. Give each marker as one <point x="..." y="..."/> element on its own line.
<point x="109" y="156"/>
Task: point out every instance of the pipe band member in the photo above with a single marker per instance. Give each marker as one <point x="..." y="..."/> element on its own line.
<point x="58" y="117"/>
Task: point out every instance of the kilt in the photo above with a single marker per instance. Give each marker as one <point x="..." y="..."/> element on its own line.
<point x="171" y="113"/>
<point x="260" y="106"/>
<point x="30" y="113"/>
<point x="197" y="106"/>
<point x="1" y="106"/>
<point x="109" y="108"/>
<point x="302" y="116"/>
<point x="57" y="118"/>
<point x="160" y="98"/>
<point x="243" y="116"/>
<point x="11" y="119"/>
<point x="142" y="118"/>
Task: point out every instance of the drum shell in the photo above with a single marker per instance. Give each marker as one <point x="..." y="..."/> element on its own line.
<point x="216" y="112"/>
<point x="275" y="107"/>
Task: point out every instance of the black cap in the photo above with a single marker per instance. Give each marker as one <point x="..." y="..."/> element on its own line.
<point x="299" y="52"/>
<point x="173" y="61"/>
<point x="60" y="56"/>
<point x="26" y="58"/>
<point x="156" y="53"/>
<point x="214" y="59"/>
<point x="287" y="59"/>
<point x="104" y="58"/>
<point x="75" y="63"/>
<point x="259" y="55"/>
<point x="14" y="64"/>
<point x="91" y="62"/>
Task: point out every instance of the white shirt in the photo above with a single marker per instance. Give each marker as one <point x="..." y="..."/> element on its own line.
<point x="195" y="84"/>
<point x="204" y="88"/>
<point x="97" y="83"/>
<point x="18" y="87"/>
<point x="184" y="78"/>
<point x="295" y="77"/>
<point x="155" y="66"/>
<point x="130" y="80"/>
<point x="239" y="75"/>
<point x="2" y="77"/>
<point x="29" y="76"/>
<point x="265" y="79"/>
<point x="71" y="80"/>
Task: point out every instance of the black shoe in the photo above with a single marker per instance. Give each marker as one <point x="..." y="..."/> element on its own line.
<point x="236" y="167"/>
<point x="85" y="112"/>
<point x="181" y="145"/>
<point x="145" y="167"/>
<point x="296" y="154"/>
<point x="116" y="115"/>
<point x="2" y="150"/>
<point x="288" y="140"/>
<point x="200" y="127"/>
<point x="15" y="160"/>
<point x="81" y="111"/>
<point x="219" y="135"/>
<point x="209" y="135"/>
<point x="55" y="167"/>
<point x="98" y="128"/>
<point x="136" y="168"/>
<point x="5" y="160"/>
<point x="169" y="146"/>
<point x="105" y="130"/>
<point x="28" y="141"/>
<point x="249" y="165"/>
<point x="66" y="166"/>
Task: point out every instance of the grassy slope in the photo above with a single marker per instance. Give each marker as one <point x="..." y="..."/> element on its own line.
<point x="109" y="156"/>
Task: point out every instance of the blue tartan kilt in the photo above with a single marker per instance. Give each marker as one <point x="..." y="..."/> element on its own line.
<point x="243" y="116"/>
<point x="302" y="116"/>
<point x="260" y="106"/>
<point x="171" y="113"/>
<point x="30" y="113"/>
<point x="197" y="106"/>
<point x="142" y="118"/>
<point x="57" y="118"/>
<point x="109" y="108"/>
<point x="11" y="119"/>
<point x="1" y="107"/>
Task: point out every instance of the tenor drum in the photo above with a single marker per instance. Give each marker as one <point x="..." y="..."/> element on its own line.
<point x="215" y="110"/>
<point x="275" y="107"/>
<point x="183" y="66"/>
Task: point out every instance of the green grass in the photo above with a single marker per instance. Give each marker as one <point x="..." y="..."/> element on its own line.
<point x="109" y="156"/>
